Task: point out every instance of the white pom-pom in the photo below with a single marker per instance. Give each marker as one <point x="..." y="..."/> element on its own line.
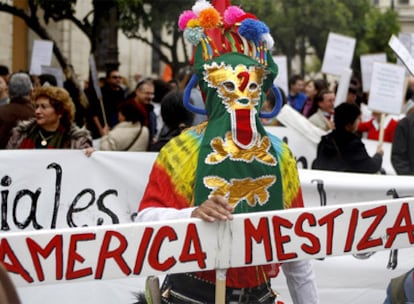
<point x="266" y="37"/>
<point x="200" y="5"/>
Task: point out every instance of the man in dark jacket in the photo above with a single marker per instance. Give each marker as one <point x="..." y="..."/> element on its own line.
<point x="19" y="108"/>
<point x="342" y="149"/>
<point x="402" y="151"/>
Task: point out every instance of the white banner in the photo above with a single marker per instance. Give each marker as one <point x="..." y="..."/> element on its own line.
<point x="40" y="190"/>
<point x="59" y="189"/>
<point x="119" y="251"/>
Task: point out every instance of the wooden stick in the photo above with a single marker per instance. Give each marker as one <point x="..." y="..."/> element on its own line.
<point x="381" y="130"/>
<point x="220" y="286"/>
<point x="103" y="112"/>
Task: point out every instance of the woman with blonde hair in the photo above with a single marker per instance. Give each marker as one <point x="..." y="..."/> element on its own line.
<point x="53" y="126"/>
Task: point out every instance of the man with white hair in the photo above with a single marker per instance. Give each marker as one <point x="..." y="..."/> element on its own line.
<point x="19" y="108"/>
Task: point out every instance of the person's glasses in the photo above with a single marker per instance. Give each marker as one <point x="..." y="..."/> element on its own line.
<point x="116" y="76"/>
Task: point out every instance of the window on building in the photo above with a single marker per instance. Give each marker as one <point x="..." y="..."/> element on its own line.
<point x="403" y="1"/>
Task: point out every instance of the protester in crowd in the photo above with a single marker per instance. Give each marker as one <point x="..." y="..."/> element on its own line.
<point x="4" y="92"/>
<point x="312" y="88"/>
<point x="402" y="149"/>
<point x="352" y="95"/>
<point x="19" y="108"/>
<point x="79" y="98"/>
<point x="112" y="96"/>
<point x="342" y="149"/>
<point x="47" y="80"/>
<point x="296" y="97"/>
<point x="401" y="289"/>
<point x="322" y="118"/>
<point x="408" y="100"/>
<point x="174" y="84"/>
<point x="129" y="134"/>
<point x="371" y="128"/>
<point x="52" y="127"/>
<point x="143" y="95"/>
<point x="175" y="116"/>
<point x="4" y="73"/>
<point x="192" y="173"/>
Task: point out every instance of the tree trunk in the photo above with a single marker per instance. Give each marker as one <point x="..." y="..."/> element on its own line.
<point x="105" y="35"/>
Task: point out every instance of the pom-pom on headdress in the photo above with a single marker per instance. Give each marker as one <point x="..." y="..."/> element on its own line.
<point x="242" y="32"/>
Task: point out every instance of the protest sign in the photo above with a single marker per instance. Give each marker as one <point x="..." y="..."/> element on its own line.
<point x="342" y="91"/>
<point x="387" y="88"/>
<point x="281" y="80"/>
<point x="403" y="54"/>
<point x="96" y="87"/>
<point x="367" y="62"/>
<point x="41" y="55"/>
<point x="338" y="54"/>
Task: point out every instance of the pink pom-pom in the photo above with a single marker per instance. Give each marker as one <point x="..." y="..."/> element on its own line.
<point x="232" y="13"/>
<point x="184" y="18"/>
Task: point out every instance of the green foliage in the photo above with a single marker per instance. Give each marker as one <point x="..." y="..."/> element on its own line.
<point x="301" y="27"/>
<point x="380" y="27"/>
<point x="155" y="14"/>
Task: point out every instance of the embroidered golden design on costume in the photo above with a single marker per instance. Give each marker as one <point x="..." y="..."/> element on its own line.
<point x="227" y="148"/>
<point x="253" y="190"/>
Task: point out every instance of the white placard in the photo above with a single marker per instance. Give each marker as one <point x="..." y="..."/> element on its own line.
<point x="387" y="88"/>
<point x="407" y="39"/>
<point x="94" y="76"/>
<point x="338" y="54"/>
<point x="282" y="76"/>
<point x="367" y="62"/>
<point x="342" y="91"/>
<point x="57" y="72"/>
<point x="41" y="55"/>
<point x="403" y="54"/>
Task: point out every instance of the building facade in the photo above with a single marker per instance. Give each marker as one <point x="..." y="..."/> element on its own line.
<point x="17" y="39"/>
<point x="405" y="9"/>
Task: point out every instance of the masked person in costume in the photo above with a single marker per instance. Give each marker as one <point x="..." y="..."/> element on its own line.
<point x="228" y="164"/>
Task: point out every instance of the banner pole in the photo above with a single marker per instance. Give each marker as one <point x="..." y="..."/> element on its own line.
<point x="381" y="131"/>
<point x="220" y="286"/>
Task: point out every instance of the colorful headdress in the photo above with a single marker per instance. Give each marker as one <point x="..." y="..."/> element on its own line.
<point x="235" y="32"/>
<point x="240" y="31"/>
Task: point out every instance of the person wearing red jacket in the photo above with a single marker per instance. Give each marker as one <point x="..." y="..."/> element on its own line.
<point x="372" y="127"/>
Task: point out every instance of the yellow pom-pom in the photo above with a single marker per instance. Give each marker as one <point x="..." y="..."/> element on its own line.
<point x="193" y="23"/>
<point x="209" y="18"/>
